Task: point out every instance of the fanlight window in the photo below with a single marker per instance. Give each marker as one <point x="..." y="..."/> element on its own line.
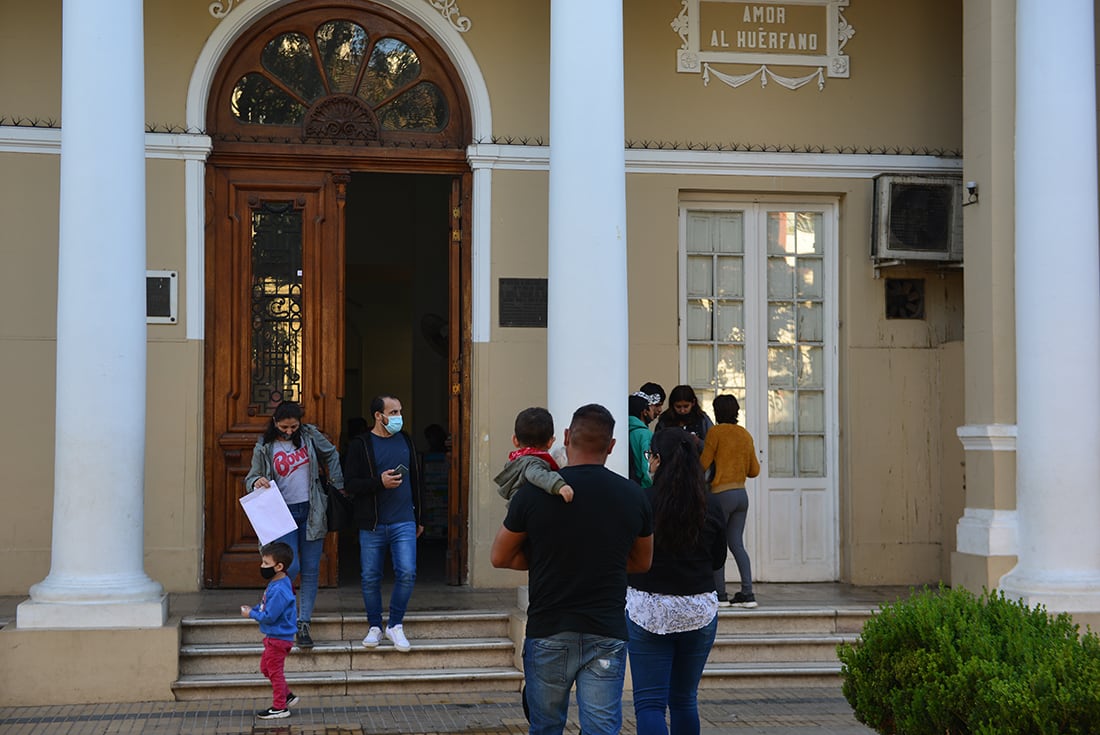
<point x="340" y="83"/>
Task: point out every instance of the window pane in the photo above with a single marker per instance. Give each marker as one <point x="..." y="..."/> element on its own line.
<point x="781" y="278"/>
<point x="730" y="370"/>
<point x="781" y="323"/>
<point x="289" y="58"/>
<point x="699" y="319"/>
<point x="811" y="370"/>
<point x="706" y="400"/>
<point x="700" y="364"/>
<point x="276" y="373"/>
<point x="392" y="67"/>
<point x="730" y="318"/>
<point x="257" y="100"/>
<point x="421" y="108"/>
<point x="342" y="47"/>
<point x="731" y="277"/>
<point x="781" y="233"/>
<point x="811" y="456"/>
<point x="811" y="322"/>
<point x="780" y="367"/>
<point x="810" y="285"/>
<point x="698" y="232"/>
<point x="699" y="278"/>
<point x="807" y="229"/>
<point x="729" y="233"/>
<point x="781" y="411"/>
<point x="811" y="412"/>
<point x="781" y="456"/>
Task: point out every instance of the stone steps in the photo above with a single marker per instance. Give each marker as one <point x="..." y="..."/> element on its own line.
<point x="464" y="650"/>
<point x="460" y="650"/>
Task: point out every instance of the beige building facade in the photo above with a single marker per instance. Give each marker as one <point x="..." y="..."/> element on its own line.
<point x="434" y="164"/>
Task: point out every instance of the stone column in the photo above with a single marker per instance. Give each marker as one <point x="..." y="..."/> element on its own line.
<point x="97" y="577"/>
<point x="587" y="327"/>
<point x="1057" y="309"/>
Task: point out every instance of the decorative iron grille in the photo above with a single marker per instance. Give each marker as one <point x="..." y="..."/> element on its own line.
<point x="276" y="305"/>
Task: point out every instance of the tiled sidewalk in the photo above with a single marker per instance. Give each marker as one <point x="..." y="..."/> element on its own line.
<point x="805" y="711"/>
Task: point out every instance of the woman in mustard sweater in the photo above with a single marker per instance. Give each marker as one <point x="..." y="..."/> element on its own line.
<point x="729" y="448"/>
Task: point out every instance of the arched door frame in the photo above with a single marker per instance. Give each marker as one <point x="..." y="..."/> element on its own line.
<point x="464" y="221"/>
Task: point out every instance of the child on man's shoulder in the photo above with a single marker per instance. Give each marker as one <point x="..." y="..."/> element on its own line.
<point x="531" y="461"/>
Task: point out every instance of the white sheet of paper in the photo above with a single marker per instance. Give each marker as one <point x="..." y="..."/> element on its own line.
<point x="268" y="514"/>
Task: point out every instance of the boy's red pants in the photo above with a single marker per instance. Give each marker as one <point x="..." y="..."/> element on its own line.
<point x="271" y="666"/>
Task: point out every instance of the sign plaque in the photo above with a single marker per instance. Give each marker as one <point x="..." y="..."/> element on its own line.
<point x="763" y="34"/>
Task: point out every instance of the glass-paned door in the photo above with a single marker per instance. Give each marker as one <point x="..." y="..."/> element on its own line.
<point x="758" y="322"/>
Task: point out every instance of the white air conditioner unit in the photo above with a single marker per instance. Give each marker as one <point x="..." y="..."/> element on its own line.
<point x="918" y="218"/>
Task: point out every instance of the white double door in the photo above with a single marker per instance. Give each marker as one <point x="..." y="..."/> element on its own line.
<point x="759" y="321"/>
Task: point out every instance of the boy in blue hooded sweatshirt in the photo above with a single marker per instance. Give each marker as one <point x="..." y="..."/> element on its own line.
<point x="277" y="615"/>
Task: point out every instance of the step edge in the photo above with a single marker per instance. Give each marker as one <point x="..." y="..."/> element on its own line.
<point x="339" y="617"/>
<point x="195" y="681"/>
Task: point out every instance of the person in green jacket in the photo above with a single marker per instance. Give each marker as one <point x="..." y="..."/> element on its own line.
<point x="638" y="406"/>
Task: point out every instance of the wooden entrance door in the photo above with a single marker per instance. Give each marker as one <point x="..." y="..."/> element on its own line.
<point x="274" y="332"/>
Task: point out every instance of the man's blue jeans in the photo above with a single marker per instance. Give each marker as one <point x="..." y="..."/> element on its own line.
<point x="307" y="559"/>
<point x="596" y="663"/>
<point x="665" y="670"/>
<point x="400" y="540"/>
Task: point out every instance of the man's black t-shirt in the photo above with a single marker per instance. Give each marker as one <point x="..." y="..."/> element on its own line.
<point x="577" y="551"/>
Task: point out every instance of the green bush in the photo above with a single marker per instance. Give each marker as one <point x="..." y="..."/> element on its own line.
<point x="944" y="662"/>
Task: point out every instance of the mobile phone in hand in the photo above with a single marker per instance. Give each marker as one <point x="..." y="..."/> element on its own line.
<point x="401" y="470"/>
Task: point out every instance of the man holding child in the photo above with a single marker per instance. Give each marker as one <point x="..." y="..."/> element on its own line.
<point x="578" y="555"/>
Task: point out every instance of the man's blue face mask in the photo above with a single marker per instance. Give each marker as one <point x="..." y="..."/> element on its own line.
<point x="394" y="424"/>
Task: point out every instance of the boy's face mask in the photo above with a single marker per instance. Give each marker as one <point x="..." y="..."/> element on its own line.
<point x="268" y="572"/>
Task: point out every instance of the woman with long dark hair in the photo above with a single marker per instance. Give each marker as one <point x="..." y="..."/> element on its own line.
<point x="672" y="610"/>
<point x="684" y="412"/>
<point x="290" y="454"/>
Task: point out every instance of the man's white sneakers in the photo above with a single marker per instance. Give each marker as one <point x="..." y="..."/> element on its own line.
<point x="374" y="635"/>
<point x="396" y="633"/>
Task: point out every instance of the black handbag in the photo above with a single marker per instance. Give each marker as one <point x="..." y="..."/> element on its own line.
<point x="340" y="513"/>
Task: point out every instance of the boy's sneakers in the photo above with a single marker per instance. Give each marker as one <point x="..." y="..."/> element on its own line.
<point x="302" y="637"/>
<point x="374" y="635"/>
<point x="292" y="699"/>
<point x="273" y="714"/>
<point x="723" y="602"/>
<point x="396" y="633"/>
<point x="742" y="600"/>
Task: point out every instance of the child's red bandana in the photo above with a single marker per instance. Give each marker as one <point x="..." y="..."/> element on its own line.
<point x="532" y="452"/>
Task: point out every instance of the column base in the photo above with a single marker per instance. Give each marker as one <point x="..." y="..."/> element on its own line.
<point x="1069" y="593"/>
<point x="134" y="614"/>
